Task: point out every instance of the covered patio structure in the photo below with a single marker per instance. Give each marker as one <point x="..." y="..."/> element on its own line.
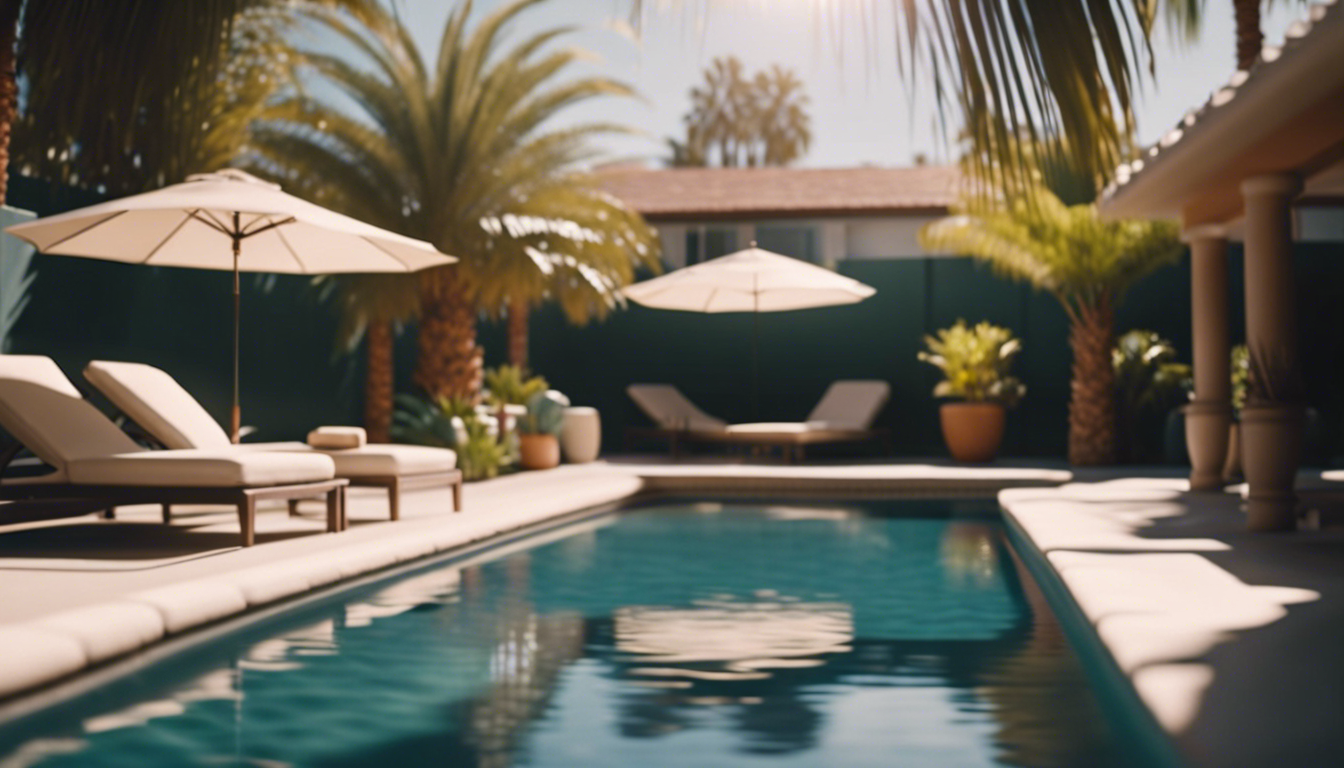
<point x="1244" y="166"/>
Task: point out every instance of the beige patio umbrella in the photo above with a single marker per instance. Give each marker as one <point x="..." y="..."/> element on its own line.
<point x="752" y="280"/>
<point x="203" y="223"/>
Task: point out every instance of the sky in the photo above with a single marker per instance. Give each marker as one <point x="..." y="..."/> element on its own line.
<point x="862" y="110"/>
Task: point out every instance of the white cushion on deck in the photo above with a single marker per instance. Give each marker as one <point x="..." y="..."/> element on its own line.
<point x="203" y="468"/>
<point x="155" y="401"/>
<point x="851" y="404"/>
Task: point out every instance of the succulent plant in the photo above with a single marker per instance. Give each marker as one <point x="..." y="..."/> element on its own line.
<point x="545" y="414"/>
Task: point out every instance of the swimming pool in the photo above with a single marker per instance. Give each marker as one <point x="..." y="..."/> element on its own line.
<point x="674" y="634"/>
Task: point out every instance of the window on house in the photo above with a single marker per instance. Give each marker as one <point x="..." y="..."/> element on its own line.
<point x="706" y="242"/>
<point x="799" y="241"/>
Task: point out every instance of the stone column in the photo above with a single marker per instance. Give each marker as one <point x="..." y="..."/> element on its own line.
<point x="1271" y="429"/>
<point x="1208" y="417"/>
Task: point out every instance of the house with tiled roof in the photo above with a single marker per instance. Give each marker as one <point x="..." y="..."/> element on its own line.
<point x="819" y="214"/>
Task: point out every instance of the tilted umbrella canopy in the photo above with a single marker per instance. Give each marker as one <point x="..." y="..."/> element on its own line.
<point x="229" y="220"/>
<point x="753" y="280"/>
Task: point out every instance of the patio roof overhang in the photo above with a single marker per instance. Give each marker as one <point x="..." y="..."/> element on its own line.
<point x="1286" y="114"/>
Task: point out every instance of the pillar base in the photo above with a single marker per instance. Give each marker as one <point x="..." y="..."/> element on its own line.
<point x="1271" y="444"/>
<point x="1276" y="512"/>
<point x="1206" y="435"/>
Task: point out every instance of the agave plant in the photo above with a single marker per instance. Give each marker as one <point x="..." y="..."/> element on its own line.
<point x="975" y="361"/>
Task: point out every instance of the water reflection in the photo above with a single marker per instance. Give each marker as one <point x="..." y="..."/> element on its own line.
<point x="638" y="636"/>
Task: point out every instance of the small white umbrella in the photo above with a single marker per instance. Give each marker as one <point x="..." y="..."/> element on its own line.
<point x="203" y="222"/>
<point x="752" y="280"/>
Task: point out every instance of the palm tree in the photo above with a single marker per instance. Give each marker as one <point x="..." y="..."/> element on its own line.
<point x="1086" y="264"/>
<point x="577" y="247"/>
<point x="436" y="153"/>
<point x="751" y="121"/>
<point x="128" y="95"/>
<point x="1066" y="67"/>
<point x="784" y="125"/>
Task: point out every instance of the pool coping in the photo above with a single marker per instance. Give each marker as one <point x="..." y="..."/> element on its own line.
<point x="1218" y="632"/>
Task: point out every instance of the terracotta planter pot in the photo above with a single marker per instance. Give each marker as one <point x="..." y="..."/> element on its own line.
<point x="538" y="451"/>
<point x="972" y="431"/>
<point x="1271" y="449"/>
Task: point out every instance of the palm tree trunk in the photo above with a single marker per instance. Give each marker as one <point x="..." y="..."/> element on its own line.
<point x="1249" y="37"/>
<point x="378" y="341"/>
<point x="9" y="88"/>
<point x="1092" y="401"/>
<point x="448" y="363"/>
<point x="518" y="316"/>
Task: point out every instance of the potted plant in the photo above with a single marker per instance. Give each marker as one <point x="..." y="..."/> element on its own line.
<point x="975" y="362"/>
<point x="1272" y="422"/>
<point x="1241" y="376"/>
<point x="539" y="430"/>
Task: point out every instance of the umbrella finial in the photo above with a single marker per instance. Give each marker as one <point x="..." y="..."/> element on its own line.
<point x="753" y="243"/>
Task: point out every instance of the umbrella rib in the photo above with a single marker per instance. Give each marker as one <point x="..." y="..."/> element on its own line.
<point x="168" y="237"/>
<point x="389" y="253"/>
<point x="710" y="300"/>
<point x="281" y="233"/>
<point x="211" y="221"/>
<point x="73" y="235"/>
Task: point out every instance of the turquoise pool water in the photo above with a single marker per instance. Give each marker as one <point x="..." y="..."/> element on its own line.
<point x="706" y="635"/>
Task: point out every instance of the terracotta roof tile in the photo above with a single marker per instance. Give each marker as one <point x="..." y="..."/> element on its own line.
<point x="721" y="193"/>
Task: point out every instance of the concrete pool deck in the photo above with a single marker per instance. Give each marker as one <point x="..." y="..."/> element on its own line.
<point x="1232" y="640"/>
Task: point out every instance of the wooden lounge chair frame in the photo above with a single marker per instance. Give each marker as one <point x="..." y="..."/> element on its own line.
<point x="244" y="498"/>
<point x="395" y="484"/>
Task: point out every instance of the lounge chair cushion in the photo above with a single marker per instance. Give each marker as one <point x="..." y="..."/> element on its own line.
<point x="771" y="428"/>
<point x="850" y="405"/>
<point x="669" y="409"/>
<point x="374" y="459"/>
<point x="43" y="410"/>
<point x="202" y="469"/>
<point x="155" y="401"/>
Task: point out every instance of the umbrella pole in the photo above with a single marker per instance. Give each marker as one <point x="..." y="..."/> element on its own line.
<point x="756" y="348"/>
<point x="236" y="416"/>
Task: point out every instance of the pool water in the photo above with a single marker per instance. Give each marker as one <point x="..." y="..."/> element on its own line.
<point x="712" y="634"/>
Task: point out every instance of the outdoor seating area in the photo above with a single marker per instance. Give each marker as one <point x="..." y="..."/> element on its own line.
<point x="519" y="382"/>
<point x="845" y="414"/>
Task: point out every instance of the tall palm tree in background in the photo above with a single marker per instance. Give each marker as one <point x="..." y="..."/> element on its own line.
<point x="1086" y="264"/>
<point x="1057" y="67"/>
<point x="436" y="153"/>
<point x="751" y="121"/>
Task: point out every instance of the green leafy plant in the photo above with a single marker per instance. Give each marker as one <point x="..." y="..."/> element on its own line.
<point x="450" y="423"/>
<point x="545" y="414"/>
<point x="1241" y="376"/>
<point x="509" y="385"/>
<point x="1149" y="382"/>
<point x="975" y="361"/>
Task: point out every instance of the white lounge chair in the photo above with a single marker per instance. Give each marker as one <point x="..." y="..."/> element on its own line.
<point x="845" y="413"/>
<point x="93" y="459"/>
<point x="164" y="409"/>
